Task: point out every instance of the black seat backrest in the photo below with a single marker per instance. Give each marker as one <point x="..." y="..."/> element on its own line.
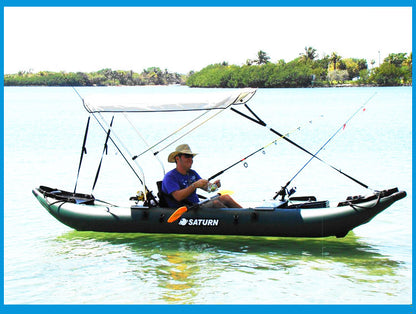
<point x="161" y="195"/>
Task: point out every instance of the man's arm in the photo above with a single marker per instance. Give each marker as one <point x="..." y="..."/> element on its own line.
<point x="180" y="195"/>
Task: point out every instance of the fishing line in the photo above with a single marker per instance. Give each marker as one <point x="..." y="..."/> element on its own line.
<point x="143" y="182"/>
<point x="144" y="140"/>
<point x="78" y="94"/>
<point x="118" y="148"/>
<point x="262" y="149"/>
<point x="191" y="130"/>
<point x="262" y="123"/>
<point x="241" y="98"/>
<point x="169" y="136"/>
<point x="282" y="191"/>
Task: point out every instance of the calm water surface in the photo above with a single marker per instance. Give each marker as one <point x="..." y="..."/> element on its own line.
<point x="47" y="262"/>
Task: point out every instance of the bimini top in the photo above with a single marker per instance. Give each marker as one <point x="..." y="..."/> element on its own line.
<point x="167" y="102"/>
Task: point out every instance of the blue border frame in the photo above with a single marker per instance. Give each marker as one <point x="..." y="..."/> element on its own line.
<point x="223" y="3"/>
<point x="202" y="309"/>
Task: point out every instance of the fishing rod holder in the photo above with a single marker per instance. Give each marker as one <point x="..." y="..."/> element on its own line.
<point x="283" y="192"/>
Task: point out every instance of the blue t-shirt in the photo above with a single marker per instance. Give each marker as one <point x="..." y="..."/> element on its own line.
<point x="174" y="181"/>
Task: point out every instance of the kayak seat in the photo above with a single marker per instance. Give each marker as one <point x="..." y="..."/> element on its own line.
<point x="161" y="195"/>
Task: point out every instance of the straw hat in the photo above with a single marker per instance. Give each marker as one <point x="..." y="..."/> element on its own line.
<point x="181" y="149"/>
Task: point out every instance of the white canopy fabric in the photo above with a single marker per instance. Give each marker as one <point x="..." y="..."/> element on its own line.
<point x="167" y="102"/>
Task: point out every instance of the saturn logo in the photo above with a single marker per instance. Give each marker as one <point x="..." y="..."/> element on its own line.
<point x="183" y="222"/>
<point x="198" y="222"/>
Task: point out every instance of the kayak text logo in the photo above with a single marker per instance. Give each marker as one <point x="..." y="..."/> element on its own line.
<point x="198" y="222"/>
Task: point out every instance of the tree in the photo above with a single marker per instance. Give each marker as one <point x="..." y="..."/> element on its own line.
<point x="395" y="70"/>
<point x="353" y="66"/>
<point x="387" y="74"/>
<point x="407" y="70"/>
<point x="249" y="62"/>
<point x="262" y="58"/>
<point x="338" y="76"/>
<point x="396" y="59"/>
<point x="309" y="54"/>
<point x="334" y="59"/>
<point x="363" y="77"/>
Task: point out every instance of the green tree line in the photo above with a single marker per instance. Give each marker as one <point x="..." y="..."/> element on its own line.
<point x="104" y="77"/>
<point x="305" y="71"/>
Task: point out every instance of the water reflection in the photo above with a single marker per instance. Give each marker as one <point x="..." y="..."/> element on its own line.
<point x="176" y="268"/>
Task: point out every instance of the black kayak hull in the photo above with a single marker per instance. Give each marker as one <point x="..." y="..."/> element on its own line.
<point x="309" y="219"/>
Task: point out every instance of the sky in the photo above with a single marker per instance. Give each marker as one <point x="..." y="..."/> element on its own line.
<point x="183" y="39"/>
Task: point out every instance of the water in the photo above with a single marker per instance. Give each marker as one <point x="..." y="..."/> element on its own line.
<point x="48" y="263"/>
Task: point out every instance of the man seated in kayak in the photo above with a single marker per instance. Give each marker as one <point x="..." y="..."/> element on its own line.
<point x="181" y="183"/>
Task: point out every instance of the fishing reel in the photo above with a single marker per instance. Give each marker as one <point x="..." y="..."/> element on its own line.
<point x="139" y="197"/>
<point x="283" y="192"/>
<point x="149" y="200"/>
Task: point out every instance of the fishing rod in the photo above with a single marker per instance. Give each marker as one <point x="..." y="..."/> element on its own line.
<point x="260" y="149"/>
<point x="167" y="137"/>
<point x="282" y="191"/>
<point x="262" y="123"/>
<point x="191" y="130"/>
<point x="238" y="100"/>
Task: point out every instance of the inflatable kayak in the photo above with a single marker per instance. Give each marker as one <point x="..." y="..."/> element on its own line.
<point x="289" y="219"/>
<point x="287" y="216"/>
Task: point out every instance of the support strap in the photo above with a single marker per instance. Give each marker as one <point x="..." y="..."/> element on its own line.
<point x="83" y="151"/>
<point x="105" y="150"/>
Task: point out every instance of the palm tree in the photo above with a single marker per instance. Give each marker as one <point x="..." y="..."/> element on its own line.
<point x="335" y="58"/>
<point x="310" y="54"/>
<point x="396" y="59"/>
<point x="262" y="57"/>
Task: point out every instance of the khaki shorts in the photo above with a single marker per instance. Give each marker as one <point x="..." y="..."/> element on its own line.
<point x="213" y="204"/>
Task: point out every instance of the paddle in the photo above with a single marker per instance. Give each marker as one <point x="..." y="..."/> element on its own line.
<point x="181" y="210"/>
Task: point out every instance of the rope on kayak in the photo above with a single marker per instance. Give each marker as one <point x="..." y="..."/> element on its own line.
<point x="357" y="207"/>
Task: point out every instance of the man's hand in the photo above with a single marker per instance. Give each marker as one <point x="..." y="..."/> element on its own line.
<point x="201" y="184"/>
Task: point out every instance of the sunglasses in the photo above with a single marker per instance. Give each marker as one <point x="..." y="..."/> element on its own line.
<point x="186" y="155"/>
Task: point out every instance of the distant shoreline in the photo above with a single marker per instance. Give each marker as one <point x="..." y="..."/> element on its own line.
<point x="322" y="86"/>
<point x="302" y="72"/>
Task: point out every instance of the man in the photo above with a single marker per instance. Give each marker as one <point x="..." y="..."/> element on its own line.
<point x="182" y="182"/>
